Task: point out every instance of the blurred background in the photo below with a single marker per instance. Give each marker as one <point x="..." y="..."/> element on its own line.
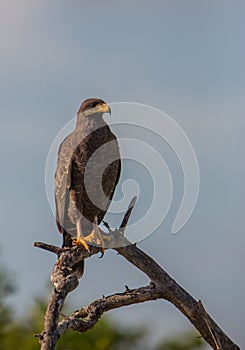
<point x="185" y="58"/>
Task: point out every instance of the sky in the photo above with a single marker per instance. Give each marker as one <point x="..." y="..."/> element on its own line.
<point x="185" y="58"/>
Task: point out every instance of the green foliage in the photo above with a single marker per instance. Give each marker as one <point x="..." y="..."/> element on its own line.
<point x="104" y="336"/>
<point x="186" y="341"/>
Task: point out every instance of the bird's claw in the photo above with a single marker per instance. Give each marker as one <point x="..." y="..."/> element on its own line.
<point x="81" y="241"/>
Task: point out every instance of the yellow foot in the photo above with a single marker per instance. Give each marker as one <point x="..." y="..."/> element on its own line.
<point x="100" y="240"/>
<point x="81" y="241"/>
<point x="94" y="238"/>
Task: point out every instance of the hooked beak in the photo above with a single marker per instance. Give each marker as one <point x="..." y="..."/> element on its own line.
<point x="104" y="108"/>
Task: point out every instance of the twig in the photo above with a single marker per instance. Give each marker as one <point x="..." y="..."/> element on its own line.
<point x="49" y="247"/>
<point x="205" y="316"/>
<point x="87" y="317"/>
<point x="127" y="215"/>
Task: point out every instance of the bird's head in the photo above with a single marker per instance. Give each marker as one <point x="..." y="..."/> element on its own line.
<point x="93" y="107"/>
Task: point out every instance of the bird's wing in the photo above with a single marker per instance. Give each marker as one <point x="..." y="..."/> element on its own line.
<point x="112" y="175"/>
<point x="117" y="176"/>
<point x="63" y="182"/>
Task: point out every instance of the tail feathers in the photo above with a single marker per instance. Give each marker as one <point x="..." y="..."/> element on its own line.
<point x="67" y="240"/>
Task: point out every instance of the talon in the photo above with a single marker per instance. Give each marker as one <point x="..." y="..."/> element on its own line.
<point x="81" y="241"/>
<point x="92" y="238"/>
<point x="95" y="235"/>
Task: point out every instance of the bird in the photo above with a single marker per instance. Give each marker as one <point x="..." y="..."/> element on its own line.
<point x="88" y="170"/>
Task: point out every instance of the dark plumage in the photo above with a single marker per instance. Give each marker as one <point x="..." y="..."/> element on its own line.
<point x="78" y="179"/>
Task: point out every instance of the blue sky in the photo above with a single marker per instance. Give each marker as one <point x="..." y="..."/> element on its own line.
<point x="183" y="57"/>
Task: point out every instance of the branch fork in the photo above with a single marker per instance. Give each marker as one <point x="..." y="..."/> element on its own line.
<point x="161" y="286"/>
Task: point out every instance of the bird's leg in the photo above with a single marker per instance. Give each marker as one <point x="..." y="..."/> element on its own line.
<point x="80" y="239"/>
<point x="95" y="236"/>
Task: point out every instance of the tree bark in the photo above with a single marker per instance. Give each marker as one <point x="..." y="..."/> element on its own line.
<point x="161" y="286"/>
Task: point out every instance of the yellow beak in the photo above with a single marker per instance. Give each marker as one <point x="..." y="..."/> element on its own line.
<point x="104" y="108"/>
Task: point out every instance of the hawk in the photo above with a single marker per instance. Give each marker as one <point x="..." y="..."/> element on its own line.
<point x="88" y="170"/>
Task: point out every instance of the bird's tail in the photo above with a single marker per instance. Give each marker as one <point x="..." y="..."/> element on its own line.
<point x="67" y="240"/>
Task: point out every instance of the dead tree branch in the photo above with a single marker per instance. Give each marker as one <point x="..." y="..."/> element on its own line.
<point x="161" y="286"/>
<point x="88" y="316"/>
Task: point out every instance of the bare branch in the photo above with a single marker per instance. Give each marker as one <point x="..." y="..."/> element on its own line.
<point x="171" y="291"/>
<point x="127" y="214"/>
<point x="49" y="247"/>
<point x="88" y="316"/>
<point x="65" y="279"/>
<point x="205" y="316"/>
